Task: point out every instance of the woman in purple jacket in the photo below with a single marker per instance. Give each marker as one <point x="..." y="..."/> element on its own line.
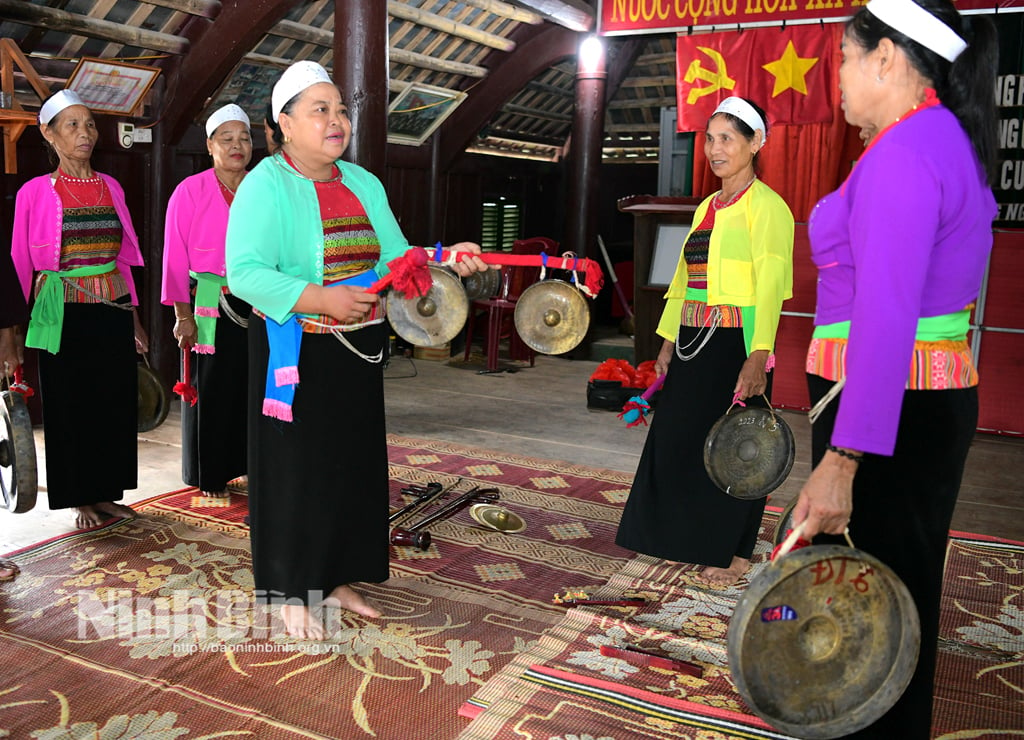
<point x="213" y="440"/>
<point x="73" y="248"/>
<point x="901" y="249"/>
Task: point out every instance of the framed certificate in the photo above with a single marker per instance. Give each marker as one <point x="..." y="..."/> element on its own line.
<point x="111" y="87"/>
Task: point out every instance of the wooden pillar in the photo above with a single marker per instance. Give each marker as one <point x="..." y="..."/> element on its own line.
<point x="361" y="72"/>
<point x="585" y="153"/>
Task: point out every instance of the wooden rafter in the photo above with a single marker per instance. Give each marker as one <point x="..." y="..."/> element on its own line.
<point x="15" y="120"/>
<point x="72" y="23"/>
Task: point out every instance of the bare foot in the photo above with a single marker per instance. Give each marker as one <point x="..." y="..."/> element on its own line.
<point x="112" y="508"/>
<point x="346" y="598"/>
<point x="725" y="577"/>
<point x="216" y="494"/>
<point x="89" y="516"/>
<point x="298" y="622"/>
<point x="9" y="570"/>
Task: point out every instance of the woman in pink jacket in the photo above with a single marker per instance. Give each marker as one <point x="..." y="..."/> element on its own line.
<point x="209" y="321"/>
<point x="73" y="248"/>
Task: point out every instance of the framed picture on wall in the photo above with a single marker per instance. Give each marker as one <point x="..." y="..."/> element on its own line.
<point x="111" y="87"/>
<point x="418" y="110"/>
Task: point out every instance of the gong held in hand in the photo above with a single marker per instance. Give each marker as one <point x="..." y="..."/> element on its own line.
<point x="434" y="319"/>
<point x="823" y="641"/>
<point x="749" y="453"/>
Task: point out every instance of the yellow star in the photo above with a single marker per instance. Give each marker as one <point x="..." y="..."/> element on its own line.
<point x="789" y="71"/>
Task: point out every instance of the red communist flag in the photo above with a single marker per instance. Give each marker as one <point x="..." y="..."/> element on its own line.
<point x="787" y="72"/>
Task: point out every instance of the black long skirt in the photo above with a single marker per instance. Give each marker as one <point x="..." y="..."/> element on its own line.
<point x="318" y="486"/>
<point x="674" y="510"/>
<point x="902" y="509"/>
<point x="213" y="449"/>
<point x="89" y="393"/>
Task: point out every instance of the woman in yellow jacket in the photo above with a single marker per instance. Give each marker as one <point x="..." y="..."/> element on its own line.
<point x="721" y="314"/>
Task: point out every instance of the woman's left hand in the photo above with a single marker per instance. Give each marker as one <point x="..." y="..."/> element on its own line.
<point x="753" y="379"/>
<point x="468" y="265"/>
<point x="826" y="500"/>
<point x="141" y="338"/>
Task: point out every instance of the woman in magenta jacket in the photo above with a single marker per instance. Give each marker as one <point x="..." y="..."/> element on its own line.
<point x="209" y="320"/>
<point x="73" y="247"/>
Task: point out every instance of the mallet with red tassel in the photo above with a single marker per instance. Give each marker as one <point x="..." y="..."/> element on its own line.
<point x="637" y="408"/>
<point x="184" y="387"/>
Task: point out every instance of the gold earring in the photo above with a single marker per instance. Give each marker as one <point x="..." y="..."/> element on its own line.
<point x="287" y="140"/>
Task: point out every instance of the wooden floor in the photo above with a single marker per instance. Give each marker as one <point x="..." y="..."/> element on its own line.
<point x="541" y="412"/>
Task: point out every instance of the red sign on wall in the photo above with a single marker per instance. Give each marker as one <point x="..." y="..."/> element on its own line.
<point x="658" y="16"/>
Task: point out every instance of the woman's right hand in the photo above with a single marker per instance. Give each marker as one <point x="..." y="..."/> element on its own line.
<point x="185" y="331"/>
<point x="348" y="303"/>
<point x="661" y="365"/>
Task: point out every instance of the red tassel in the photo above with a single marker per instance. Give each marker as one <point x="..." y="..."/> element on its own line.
<point x="410" y="275"/>
<point x="184" y="387"/>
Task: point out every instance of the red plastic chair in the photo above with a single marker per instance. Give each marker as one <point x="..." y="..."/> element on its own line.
<point x="500" y="308"/>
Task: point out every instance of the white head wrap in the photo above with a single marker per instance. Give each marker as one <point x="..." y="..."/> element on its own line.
<point x="58" y="102"/>
<point x="915" y="22"/>
<point x="745" y="112"/>
<point x="295" y="79"/>
<point x="229" y="112"/>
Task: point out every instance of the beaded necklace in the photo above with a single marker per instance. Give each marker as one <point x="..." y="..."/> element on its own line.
<point x="717" y="203"/>
<point x="91" y="182"/>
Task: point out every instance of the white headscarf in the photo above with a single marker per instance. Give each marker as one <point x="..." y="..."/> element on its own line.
<point x="56" y="103"/>
<point x="745" y="112"/>
<point x="229" y="112"/>
<point x="915" y="22"/>
<point x="295" y="79"/>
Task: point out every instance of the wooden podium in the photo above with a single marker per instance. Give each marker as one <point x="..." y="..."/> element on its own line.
<point x="650" y="213"/>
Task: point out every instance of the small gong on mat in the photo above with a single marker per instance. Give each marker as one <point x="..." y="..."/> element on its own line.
<point x="434" y="319"/>
<point x="18" y="474"/>
<point x="823" y="641"/>
<point x="748" y="453"/>
<point x="497" y="517"/>
<point x="551" y="317"/>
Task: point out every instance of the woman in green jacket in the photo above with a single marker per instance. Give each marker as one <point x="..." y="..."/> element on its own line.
<point x="307" y="234"/>
<point x="721" y="314"/>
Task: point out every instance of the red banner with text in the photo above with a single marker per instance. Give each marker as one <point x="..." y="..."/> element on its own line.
<point x="788" y="72"/>
<point x="658" y="16"/>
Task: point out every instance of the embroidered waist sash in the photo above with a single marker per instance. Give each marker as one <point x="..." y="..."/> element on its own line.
<point x="47" y="320"/>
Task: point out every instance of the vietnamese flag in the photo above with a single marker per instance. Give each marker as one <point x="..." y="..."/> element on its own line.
<point x="788" y="72"/>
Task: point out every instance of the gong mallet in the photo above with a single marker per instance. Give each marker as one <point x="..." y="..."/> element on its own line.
<point x="432" y="491"/>
<point x="412" y="536"/>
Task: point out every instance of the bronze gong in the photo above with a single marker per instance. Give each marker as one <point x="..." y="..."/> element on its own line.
<point x="785" y="521"/>
<point x="18" y="474"/>
<point x="481" y="285"/>
<point x="434" y="319"/>
<point x="748" y="453"/>
<point x="551" y="317"/>
<point x="497" y="517"/>
<point x="153" y="403"/>
<point x="823" y="641"/>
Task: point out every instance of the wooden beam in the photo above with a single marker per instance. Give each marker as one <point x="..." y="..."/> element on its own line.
<point x="217" y="47"/>
<point x="575" y="15"/>
<point x="505" y="10"/>
<point x="202" y="8"/>
<point x="81" y="25"/>
<point x="452" y="28"/>
<point x="539" y="48"/>
<point x="401" y="56"/>
<point x="544" y="115"/>
<point x="14" y="119"/>
<point x="302" y="32"/>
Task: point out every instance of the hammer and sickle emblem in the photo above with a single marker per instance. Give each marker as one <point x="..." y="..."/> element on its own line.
<point x="716" y="80"/>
